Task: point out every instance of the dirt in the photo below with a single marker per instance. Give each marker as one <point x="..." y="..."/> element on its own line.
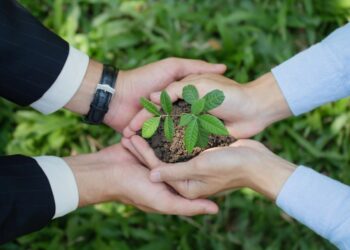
<point x="175" y="151"/>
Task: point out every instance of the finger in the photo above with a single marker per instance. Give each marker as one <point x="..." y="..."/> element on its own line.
<point x="185" y="67"/>
<point x="182" y="206"/>
<point x="136" y="123"/>
<point x="173" y="172"/>
<point x="146" y="209"/>
<point x="128" y="145"/>
<point x="174" y="90"/>
<point x="214" y="77"/>
<point x="250" y="144"/>
<point x="244" y="143"/>
<point x="191" y="77"/>
<point x="145" y="151"/>
<point x="127" y="132"/>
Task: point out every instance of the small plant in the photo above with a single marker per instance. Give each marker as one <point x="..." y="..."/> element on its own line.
<point x="198" y="124"/>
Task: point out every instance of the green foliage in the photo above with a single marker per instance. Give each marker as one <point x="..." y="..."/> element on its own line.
<point x="191" y="135"/>
<point x="213" y="125"/>
<point x="198" y="106"/>
<point x="169" y="128"/>
<point x="203" y="140"/>
<point x="185" y="119"/>
<point x="149" y="106"/>
<point x="209" y="123"/>
<point x="166" y="102"/>
<point x="150" y="126"/>
<point x="213" y="99"/>
<point x="250" y="37"/>
<point x="190" y="94"/>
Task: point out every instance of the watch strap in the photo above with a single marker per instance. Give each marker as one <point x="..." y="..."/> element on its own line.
<point x="104" y="92"/>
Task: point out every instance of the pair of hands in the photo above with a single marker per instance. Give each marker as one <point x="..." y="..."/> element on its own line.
<point x="116" y="174"/>
<point x="247" y="110"/>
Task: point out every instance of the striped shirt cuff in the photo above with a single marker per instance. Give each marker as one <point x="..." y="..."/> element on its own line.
<point x="62" y="182"/>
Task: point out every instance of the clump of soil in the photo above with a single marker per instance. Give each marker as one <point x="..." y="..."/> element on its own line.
<point x="175" y="151"/>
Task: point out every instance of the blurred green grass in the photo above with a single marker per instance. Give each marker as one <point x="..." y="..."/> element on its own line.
<point x="250" y="37"/>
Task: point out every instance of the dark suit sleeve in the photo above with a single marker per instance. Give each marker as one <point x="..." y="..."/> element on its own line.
<point x="31" y="56"/>
<point x="26" y="200"/>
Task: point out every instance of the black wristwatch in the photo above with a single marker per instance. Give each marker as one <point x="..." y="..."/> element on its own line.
<point x="103" y="95"/>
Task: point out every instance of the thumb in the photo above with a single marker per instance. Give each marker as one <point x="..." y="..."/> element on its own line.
<point x="172" y="172"/>
<point x="185" y="67"/>
<point x="174" y="90"/>
<point x="186" y="207"/>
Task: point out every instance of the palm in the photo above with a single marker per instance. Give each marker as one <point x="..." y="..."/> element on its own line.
<point x="134" y="187"/>
<point x="237" y="107"/>
<point x="189" y="188"/>
<point x="237" y="110"/>
<point x="141" y="82"/>
<point x="138" y="82"/>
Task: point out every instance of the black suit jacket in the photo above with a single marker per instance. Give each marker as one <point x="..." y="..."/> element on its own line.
<point x="31" y="58"/>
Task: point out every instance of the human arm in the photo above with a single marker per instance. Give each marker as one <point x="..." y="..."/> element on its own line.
<point x="40" y="69"/>
<point x="317" y="75"/>
<point x="315" y="200"/>
<point x="31" y="196"/>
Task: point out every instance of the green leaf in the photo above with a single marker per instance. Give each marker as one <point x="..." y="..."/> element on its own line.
<point x="185" y="119"/>
<point x="169" y="128"/>
<point x="212" y="125"/>
<point x="198" y="106"/>
<point x="191" y="135"/>
<point x="150" y="127"/>
<point x="190" y="94"/>
<point x="165" y="102"/>
<point x="203" y="138"/>
<point x="149" y="106"/>
<point x="213" y="99"/>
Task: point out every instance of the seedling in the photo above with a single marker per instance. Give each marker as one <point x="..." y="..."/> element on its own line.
<point x="198" y="124"/>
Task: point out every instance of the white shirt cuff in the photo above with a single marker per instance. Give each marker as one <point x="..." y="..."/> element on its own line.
<point x="66" y="84"/>
<point x="319" y="202"/>
<point x="318" y="75"/>
<point x="62" y="182"/>
<point x="311" y="79"/>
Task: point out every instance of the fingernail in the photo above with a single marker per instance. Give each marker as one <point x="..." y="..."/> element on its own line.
<point x="155" y="176"/>
<point x="155" y="95"/>
<point x="211" y="210"/>
<point x="220" y="65"/>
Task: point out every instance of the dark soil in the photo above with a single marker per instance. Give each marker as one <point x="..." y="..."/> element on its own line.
<point x="175" y="151"/>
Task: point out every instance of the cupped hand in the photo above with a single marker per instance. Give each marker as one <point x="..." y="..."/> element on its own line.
<point x="246" y="110"/>
<point x="114" y="174"/>
<point x="141" y="82"/>
<point x="245" y="163"/>
<point x="237" y="111"/>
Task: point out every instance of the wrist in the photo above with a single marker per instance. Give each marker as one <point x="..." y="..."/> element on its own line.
<point x="268" y="176"/>
<point x="80" y="103"/>
<point x="91" y="175"/>
<point x="117" y="99"/>
<point x="267" y="97"/>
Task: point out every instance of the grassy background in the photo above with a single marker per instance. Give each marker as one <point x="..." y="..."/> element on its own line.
<point x="250" y="36"/>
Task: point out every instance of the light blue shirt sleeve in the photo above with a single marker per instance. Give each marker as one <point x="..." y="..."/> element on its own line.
<point x="320" y="203"/>
<point x="318" y="75"/>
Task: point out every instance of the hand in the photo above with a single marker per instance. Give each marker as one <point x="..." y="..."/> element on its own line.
<point x="113" y="174"/>
<point x="133" y="84"/>
<point x="246" y="163"/>
<point x="141" y="82"/>
<point x="246" y="110"/>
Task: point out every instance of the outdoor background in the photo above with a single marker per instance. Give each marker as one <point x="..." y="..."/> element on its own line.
<point x="250" y="37"/>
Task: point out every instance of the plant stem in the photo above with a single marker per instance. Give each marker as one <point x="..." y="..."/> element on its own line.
<point x="171" y="115"/>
